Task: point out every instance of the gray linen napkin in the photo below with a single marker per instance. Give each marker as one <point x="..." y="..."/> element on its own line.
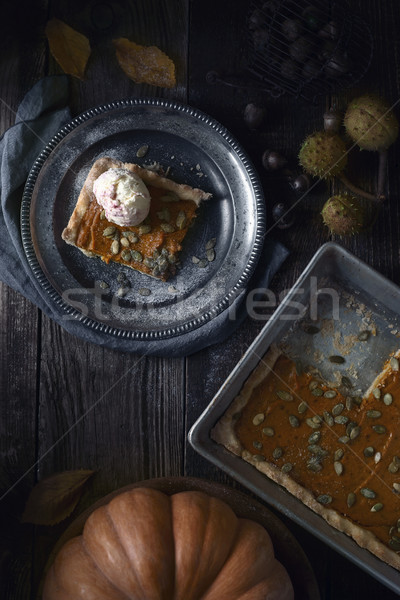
<point x="41" y="114"/>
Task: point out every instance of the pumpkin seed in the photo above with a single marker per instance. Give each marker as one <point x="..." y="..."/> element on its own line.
<point x="126" y="255"/>
<point x="388" y="399"/>
<point x="394" y="363"/>
<point x="124" y="242"/>
<point x="109" y="231"/>
<point x="377" y="393"/>
<point x="317" y="419"/>
<point x="336" y="359"/>
<point x="210" y="255"/>
<point x="302" y="407"/>
<point x="167" y="227"/>
<point x="394" y="544"/>
<point x="377" y="507"/>
<point x="396" y="486"/>
<point x="393" y="468"/>
<point x="338" y="467"/>
<point x="314" y="437"/>
<point x="277" y="452"/>
<point x="312" y="385"/>
<point x="293" y="420"/>
<point x="258" y="419"/>
<point x="314" y="465"/>
<point x="284" y="395"/>
<point x="258" y="458"/>
<point x="330" y="394"/>
<point x="369" y="451"/>
<point x="257" y="445"/>
<point x="396" y="460"/>
<point x="131" y="236"/>
<point x="195" y="260"/>
<point x="337" y="409"/>
<point x="122" y="291"/>
<point x="143" y="229"/>
<point x="355" y="432"/>
<point x="317" y="392"/>
<point x="379" y="428"/>
<point x="156" y="271"/>
<point x="339" y="453"/>
<point x="142" y="151"/>
<point x="136" y="255"/>
<point x="374" y="414"/>
<point x="115" y="247"/>
<point x="163" y="264"/>
<point x="181" y="220"/>
<point x="377" y="457"/>
<point x="341" y="420"/>
<point x="103" y="215"/>
<point x="149" y="262"/>
<point x="211" y="243"/>
<point x="202" y="263"/>
<point x="324" y="499"/>
<point x="268" y="431"/>
<point x="349" y="403"/>
<point x="367" y="493"/>
<point x="363" y="336"/>
<point x="312" y="424"/>
<point x="344" y="439"/>
<point x="172" y="259"/>
<point x="287" y="467"/>
<point x="351" y="499"/>
<point x="104" y="285"/>
<point x="328" y="418"/>
<point x="144" y="291"/>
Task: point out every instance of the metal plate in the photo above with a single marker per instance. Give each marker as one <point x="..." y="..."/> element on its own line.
<point x="339" y="288"/>
<point x="199" y="152"/>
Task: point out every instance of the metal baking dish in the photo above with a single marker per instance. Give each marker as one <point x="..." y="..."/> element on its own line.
<point x="342" y="294"/>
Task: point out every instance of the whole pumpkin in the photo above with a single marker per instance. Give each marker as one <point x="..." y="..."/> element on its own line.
<point x="146" y="545"/>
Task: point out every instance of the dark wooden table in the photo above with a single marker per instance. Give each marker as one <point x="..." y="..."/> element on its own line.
<point x="65" y="404"/>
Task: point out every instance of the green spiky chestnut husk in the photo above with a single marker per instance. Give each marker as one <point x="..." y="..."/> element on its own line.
<point x="371" y="123"/>
<point x="323" y="154"/>
<point x="343" y="214"/>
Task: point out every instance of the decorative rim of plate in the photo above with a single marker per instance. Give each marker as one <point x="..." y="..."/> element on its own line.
<point x="150" y="335"/>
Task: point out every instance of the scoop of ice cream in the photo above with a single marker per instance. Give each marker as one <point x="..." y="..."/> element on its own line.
<point x="123" y="195"/>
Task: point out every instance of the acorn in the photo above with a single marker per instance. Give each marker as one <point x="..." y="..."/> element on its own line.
<point x="323" y="154"/>
<point x="273" y="160"/>
<point x="371" y="123"/>
<point x="283" y="215"/>
<point x="343" y="214"/>
<point x="301" y="183"/>
<point x="332" y="120"/>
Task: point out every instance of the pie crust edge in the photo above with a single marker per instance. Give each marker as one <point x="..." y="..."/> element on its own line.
<point x="224" y="433"/>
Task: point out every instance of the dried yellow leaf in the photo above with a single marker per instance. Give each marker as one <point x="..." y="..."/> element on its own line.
<point x="70" y="48"/>
<point x="54" y="498"/>
<point x="145" y="64"/>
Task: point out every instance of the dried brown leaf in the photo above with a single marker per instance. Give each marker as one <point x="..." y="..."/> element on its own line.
<point x="145" y="64"/>
<point x="53" y="499"/>
<point x="70" y="48"/>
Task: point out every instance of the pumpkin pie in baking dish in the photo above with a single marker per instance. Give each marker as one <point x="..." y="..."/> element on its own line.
<point x="133" y="216"/>
<point x="340" y="455"/>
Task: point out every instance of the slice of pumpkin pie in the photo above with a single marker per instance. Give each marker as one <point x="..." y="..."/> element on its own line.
<point x="133" y="216"/>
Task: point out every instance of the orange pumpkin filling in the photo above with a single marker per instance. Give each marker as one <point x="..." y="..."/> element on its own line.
<point x="150" y="247"/>
<point x="345" y="450"/>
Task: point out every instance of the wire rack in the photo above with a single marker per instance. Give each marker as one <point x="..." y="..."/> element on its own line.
<point x="306" y="49"/>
